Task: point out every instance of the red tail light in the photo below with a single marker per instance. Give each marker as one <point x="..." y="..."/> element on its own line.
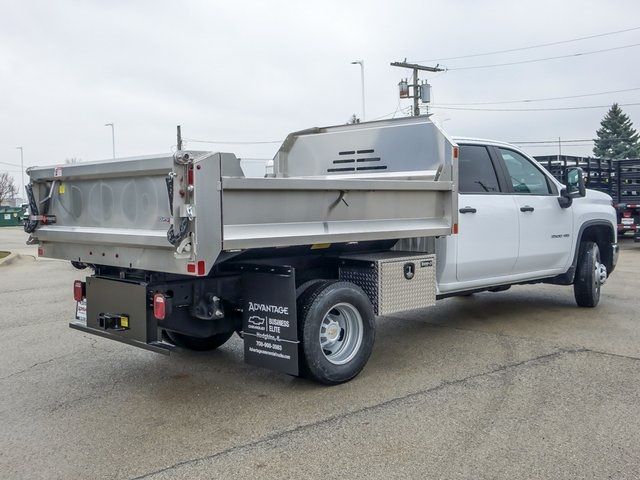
<point x="79" y="290"/>
<point x="159" y="306"/>
<point x="626" y="214"/>
<point x="190" y="175"/>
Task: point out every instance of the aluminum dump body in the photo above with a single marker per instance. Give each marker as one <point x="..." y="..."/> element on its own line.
<point x="378" y="180"/>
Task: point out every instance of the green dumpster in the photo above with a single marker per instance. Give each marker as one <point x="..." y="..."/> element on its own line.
<point x="11" y="216"/>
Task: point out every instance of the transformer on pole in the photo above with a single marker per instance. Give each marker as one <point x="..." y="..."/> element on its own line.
<point x="416" y="90"/>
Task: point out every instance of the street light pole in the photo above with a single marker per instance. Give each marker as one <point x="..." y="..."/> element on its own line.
<point x="113" y="138"/>
<point x="361" y="63"/>
<point x="22" y="170"/>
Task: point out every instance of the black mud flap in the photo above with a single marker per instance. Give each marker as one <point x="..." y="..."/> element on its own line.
<point x="269" y="322"/>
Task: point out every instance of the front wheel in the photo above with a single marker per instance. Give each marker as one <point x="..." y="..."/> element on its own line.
<point x="590" y="275"/>
<point x="336" y="326"/>
<point x="197" y="343"/>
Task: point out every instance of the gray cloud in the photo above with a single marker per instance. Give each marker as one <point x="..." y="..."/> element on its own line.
<point x="258" y="70"/>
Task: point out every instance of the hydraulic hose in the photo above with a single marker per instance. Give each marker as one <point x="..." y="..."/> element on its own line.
<point x="31" y="225"/>
<point x="175" y="236"/>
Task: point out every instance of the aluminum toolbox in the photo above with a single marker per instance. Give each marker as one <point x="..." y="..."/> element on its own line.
<point x="393" y="281"/>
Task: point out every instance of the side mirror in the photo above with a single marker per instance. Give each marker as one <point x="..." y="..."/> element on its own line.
<point x="575" y="183"/>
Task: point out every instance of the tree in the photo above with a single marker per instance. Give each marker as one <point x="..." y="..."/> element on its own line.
<point x="616" y="137"/>
<point x="8" y="188"/>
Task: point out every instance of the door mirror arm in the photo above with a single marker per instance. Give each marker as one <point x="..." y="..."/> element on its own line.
<point x="565" y="199"/>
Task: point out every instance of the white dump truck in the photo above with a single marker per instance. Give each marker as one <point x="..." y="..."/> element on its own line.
<point x="355" y="222"/>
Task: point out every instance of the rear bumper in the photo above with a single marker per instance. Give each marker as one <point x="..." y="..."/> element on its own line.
<point x="158" y="347"/>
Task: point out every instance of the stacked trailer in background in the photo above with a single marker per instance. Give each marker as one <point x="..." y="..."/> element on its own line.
<point x="618" y="178"/>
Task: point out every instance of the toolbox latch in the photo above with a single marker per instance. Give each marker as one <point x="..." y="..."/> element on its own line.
<point x="409" y="270"/>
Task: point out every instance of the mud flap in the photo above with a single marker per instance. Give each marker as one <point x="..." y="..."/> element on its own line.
<point x="269" y="322"/>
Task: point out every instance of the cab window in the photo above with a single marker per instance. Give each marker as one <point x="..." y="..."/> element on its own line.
<point x="525" y="177"/>
<point x="475" y="170"/>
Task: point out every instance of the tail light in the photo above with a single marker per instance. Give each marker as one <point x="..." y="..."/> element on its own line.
<point x="190" y="175"/>
<point x="79" y="290"/>
<point x="159" y="306"/>
<point x="626" y="214"/>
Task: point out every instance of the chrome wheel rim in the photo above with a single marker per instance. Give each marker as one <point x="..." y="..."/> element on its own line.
<point x="600" y="274"/>
<point x="340" y="334"/>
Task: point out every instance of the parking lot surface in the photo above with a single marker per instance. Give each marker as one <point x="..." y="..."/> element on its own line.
<point x="518" y="384"/>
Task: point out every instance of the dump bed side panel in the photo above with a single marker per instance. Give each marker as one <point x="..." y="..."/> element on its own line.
<point x="279" y="212"/>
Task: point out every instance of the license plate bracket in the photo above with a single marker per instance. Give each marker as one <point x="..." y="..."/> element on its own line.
<point x="81" y="311"/>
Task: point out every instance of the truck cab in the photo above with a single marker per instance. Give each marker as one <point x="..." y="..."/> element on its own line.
<point x="516" y="224"/>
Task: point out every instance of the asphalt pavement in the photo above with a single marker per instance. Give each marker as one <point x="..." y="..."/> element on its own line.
<point x="517" y="384"/>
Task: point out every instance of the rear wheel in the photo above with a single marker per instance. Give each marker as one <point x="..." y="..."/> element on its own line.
<point x="501" y="288"/>
<point x="336" y="326"/>
<point x="590" y="275"/>
<point x="198" y="343"/>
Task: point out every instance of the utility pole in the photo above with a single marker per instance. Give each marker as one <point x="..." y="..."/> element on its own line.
<point x="419" y="91"/>
<point x="361" y="63"/>
<point x="113" y="138"/>
<point x="559" y="149"/>
<point x="179" y="138"/>
<point x="24" y="192"/>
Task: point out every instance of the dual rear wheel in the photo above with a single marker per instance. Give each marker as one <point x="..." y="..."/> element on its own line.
<point x="336" y="329"/>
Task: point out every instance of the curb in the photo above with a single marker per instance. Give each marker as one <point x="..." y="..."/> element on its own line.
<point x="9" y="259"/>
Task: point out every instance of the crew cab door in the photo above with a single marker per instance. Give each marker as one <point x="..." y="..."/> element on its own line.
<point x="545" y="227"/>
<point x="487" y="242"/>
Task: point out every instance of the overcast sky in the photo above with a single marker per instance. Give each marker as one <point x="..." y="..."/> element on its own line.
<point x="256" y="70"/>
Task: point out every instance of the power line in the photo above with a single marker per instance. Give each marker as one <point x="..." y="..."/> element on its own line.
<point x="579" y="140"/>
<point x="591" y="52"/>
<point x="543" y="99"/>
<point x="496" y="52"/>
<point x="10" y="164"/>
<point x="223" y="142"/>
<point x="550" y="109"/>
<point x="556" y="145"/>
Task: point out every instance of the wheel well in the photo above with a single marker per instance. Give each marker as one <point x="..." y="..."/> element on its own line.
<point x="603" y="236"/>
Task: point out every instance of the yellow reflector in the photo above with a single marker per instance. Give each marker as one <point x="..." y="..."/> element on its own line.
<point x="320" y="246"/>
<point x="124" y="321"/>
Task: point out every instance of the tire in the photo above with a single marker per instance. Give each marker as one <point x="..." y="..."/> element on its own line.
<point x="590" y="275"/>
<point x="501" y="288"/>
<point x="310" y="283"/>
<point x="336" y="328"/>
<point x="199" y="344"/>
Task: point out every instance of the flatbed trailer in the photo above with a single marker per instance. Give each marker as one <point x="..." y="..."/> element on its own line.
<point x="619" y="178"/>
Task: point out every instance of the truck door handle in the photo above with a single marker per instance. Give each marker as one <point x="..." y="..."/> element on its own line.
<point x="527" y="208"/>
<point x="468" y="210"/>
